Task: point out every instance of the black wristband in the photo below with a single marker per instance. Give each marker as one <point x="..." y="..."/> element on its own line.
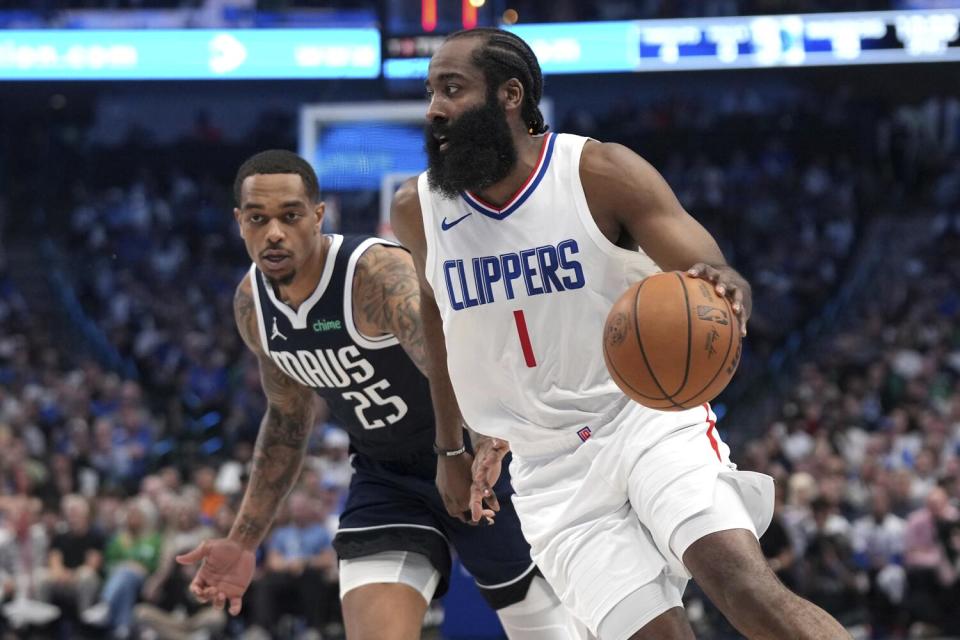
<point x="449" y="453"/>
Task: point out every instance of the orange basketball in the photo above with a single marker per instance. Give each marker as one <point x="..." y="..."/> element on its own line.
<point x="671" y="342"/>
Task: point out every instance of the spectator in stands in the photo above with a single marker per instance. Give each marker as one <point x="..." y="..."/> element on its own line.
<point x="60" y="480"/>
<point x="930" y="574"/>
<point x="333" y="463"/>
<point x="205" y="479"/>
<point x="299" y="573"/>
<point x="900" y="484"/>
<point x="131" y="557"/>
<point x="828" y="575"/>
<point x="109" y="510"/>
<point x="184" y="531"/>
<point x="234" y="472"/>
<point x="132" y="437"/>
<point x="23" y="546"/>
<point x="172" y="613"/>
<point x="102" y="455"/>
<point x="72" y="580"/>
<point x="223" y="521"/>
<point x="23" y="554"/>
<point x="776" y="544"/>
<point x="878" y="540"/>
<point x="171" y="478"/>
<point x="924" y="474"/>
<point x="797" y="512"/>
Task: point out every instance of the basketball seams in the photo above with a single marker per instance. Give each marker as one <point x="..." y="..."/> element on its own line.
<point x="643" y="352"/>
<point x="723" y="363"/>
<point x="622" y="380"/>
<point x="615" y="371"/>
<point x="686" y="306"/>
<point x="663" y="301"/>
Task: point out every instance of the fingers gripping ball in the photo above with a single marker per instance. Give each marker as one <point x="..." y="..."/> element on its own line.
<point x="671" y="342"/>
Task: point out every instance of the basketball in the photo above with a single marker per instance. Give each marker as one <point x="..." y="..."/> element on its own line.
<point x="671" y="342"/>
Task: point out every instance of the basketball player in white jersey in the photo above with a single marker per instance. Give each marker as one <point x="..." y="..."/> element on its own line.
<point x="523" y="240"/>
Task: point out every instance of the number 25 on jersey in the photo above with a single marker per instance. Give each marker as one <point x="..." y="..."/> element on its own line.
<point x="370" y="397"/>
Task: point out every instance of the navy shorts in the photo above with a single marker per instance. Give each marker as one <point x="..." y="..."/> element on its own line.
<point x="395" y="506"/>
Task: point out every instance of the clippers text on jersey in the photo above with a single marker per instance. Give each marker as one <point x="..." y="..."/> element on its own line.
<point x="544" y="269"/>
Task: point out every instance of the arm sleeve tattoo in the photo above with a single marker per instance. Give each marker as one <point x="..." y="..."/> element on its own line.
<point x="386" y="294"/>
<point x="282" y="442"/>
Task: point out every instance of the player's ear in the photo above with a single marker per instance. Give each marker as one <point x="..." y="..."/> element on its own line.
<point x="236" y="216"/>
<point x="319" y="211"/>
<point x="511" y="93"/>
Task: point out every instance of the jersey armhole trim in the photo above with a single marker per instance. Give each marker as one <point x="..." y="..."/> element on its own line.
<point x="429" y="229"/>
<point x="586" y="217"/>
<point x="367" y="342"/>
<point x="261" y="329"/>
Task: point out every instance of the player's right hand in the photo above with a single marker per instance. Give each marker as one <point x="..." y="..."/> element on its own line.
<point x="225" y="574"/>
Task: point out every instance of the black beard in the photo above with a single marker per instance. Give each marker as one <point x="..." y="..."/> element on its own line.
<point x="480" y="150"/>
<point x="285" y="281"/>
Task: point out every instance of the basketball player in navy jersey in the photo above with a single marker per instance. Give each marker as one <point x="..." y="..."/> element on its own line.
<point x="523" y="239"/>
<point x="338" y="316"/>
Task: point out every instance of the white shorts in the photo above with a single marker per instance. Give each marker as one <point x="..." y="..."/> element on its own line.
<point x="390" y="567"/>
<point x="601" y="518"/>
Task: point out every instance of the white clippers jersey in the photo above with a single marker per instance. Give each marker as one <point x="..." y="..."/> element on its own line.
<point x="523" y="291"/>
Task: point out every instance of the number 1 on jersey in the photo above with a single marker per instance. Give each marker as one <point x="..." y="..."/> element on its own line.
<point x="524" y="338"/>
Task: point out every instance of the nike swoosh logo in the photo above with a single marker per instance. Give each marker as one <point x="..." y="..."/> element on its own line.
<point x="448" y="225"/>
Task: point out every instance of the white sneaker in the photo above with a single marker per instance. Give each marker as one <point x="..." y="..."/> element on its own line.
<point x="255" y="633"/>
<point x="22" y="612"/>
<point x="97" y="615"/>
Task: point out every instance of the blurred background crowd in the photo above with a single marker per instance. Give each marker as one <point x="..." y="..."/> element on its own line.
<point x="129" y="408"/>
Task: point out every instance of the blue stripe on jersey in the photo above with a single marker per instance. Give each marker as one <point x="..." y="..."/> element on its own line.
<point x="521" y="197"/>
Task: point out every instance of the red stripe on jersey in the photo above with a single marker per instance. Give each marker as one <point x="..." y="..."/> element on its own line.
<point x="526" y="183"/>
<point x="524" y="338"/>
<point x="710" y="436"/>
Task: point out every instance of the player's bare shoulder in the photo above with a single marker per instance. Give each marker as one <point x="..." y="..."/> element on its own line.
<point x="379" y="259"/>
<point x="622" y="188"/>
<point x="384" y="274"/>
<point x="245" y="313"/>
<point x="608" y="169"/>
<point x="406" y="217"/>
<point x="609" y="175"/>
<point x="407" y="198"/>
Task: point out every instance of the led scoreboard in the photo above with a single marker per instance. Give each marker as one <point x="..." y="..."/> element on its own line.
<point x="881" y="37"/>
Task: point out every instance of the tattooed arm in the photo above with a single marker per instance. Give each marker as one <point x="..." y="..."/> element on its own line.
<point x="386" y="300"/>
<point x="282" y="442"/>
<point x="227" y="564"/>
<point x="454" y="479"/>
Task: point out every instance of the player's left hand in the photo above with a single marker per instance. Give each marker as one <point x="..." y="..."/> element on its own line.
<point x="729" y="284"/>
<point x="487" y="464"/>
<point x="453" y="483"/>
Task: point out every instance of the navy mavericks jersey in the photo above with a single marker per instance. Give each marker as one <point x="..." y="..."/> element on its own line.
<point x="370" y="384"/>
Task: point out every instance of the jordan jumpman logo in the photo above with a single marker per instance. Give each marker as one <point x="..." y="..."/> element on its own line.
<point x="276" y="332"/>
